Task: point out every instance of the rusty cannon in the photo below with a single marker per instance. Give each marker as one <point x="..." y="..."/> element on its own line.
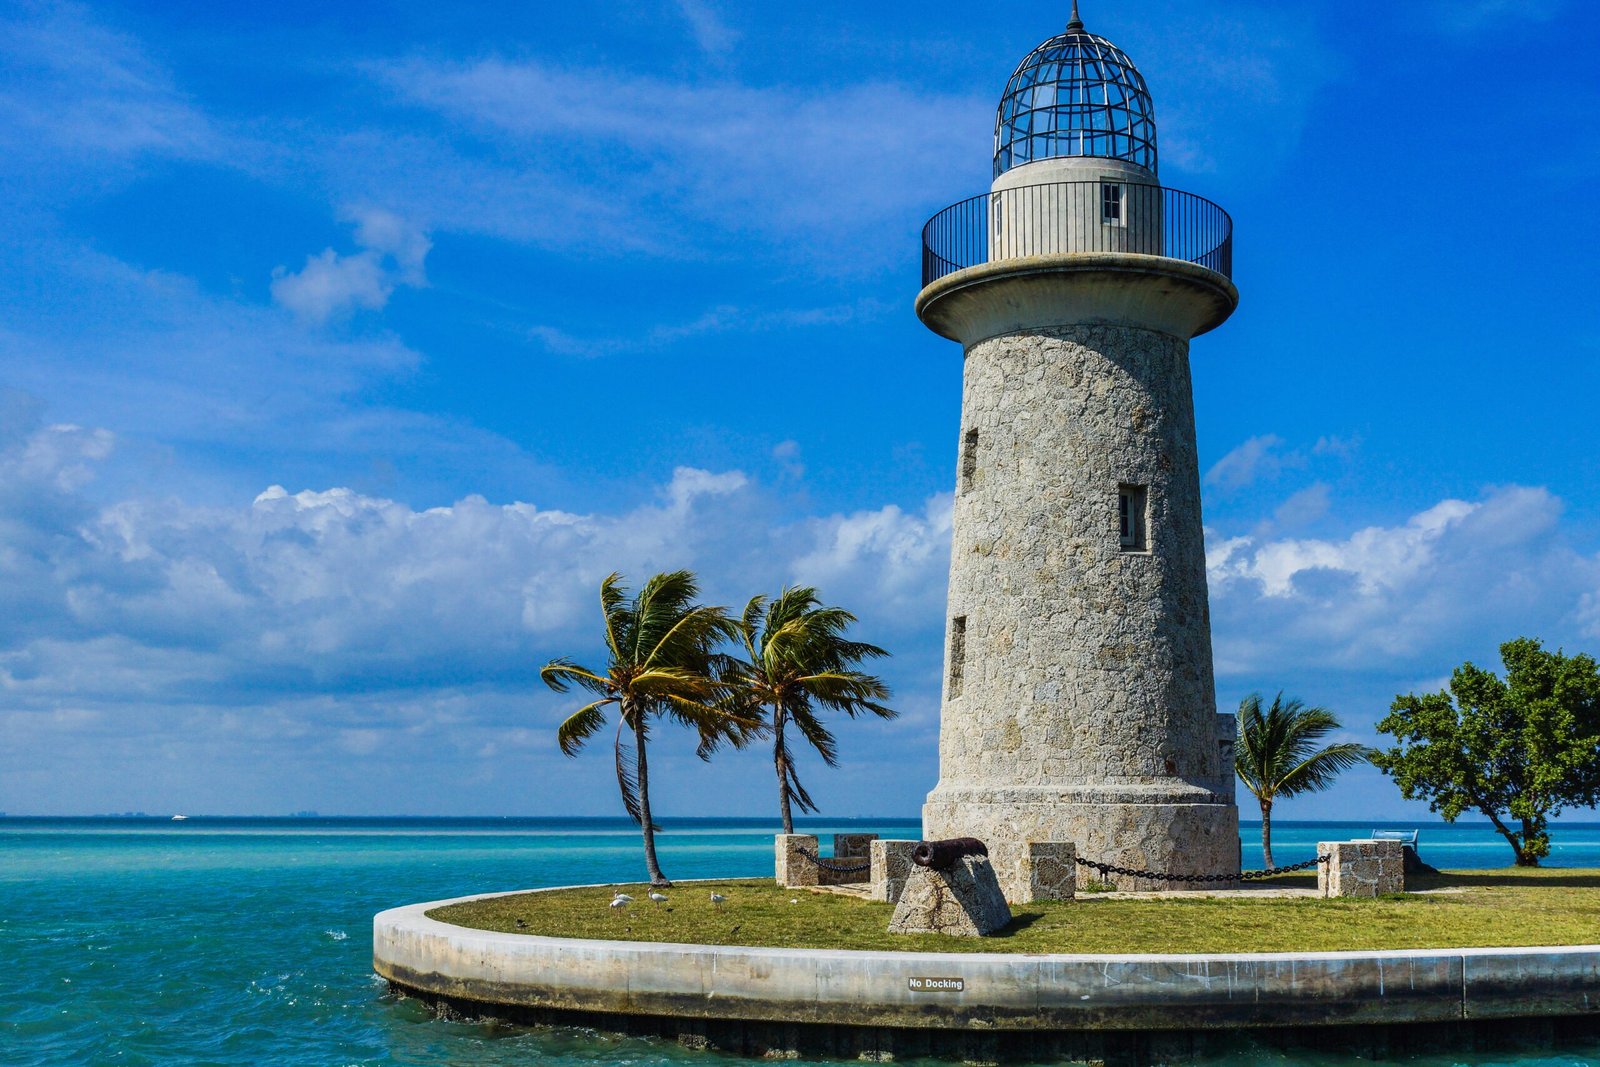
<point x="943" y="855"/>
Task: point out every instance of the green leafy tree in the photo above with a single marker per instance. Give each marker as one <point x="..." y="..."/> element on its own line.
<point x="797" y="663"/>
<point x="659" y="664"/>
<point x="1277" y="754"/>
<point x="1519" y="750"/>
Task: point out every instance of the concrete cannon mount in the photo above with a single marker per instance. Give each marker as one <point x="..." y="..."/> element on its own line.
<point x="761" y="1001"/>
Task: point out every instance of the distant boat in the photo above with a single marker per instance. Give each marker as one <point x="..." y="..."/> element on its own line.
<point x="179" y="818"/>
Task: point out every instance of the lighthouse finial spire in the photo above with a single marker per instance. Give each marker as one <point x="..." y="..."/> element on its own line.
<point x="1076" y="23"/>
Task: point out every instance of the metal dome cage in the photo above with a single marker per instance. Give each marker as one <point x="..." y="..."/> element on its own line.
<point x="1077" y="94"/>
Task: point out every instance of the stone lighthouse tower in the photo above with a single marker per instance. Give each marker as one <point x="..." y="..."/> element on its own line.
<point x="1078" y="696"/>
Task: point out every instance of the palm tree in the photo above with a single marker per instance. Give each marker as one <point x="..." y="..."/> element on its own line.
<point x="658" y="663"/>
<point x="799" y="662"/>
<point x="1277" y="755"/>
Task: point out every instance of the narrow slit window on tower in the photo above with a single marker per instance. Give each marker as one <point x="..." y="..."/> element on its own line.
<point x="1111" y="203"/>
<point x="958" y="653"/>
<point x="969" y="458"/>
<point x="1132" y="505"/>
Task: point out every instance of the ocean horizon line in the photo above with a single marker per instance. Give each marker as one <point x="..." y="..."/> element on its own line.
<point x="623" y="820"/>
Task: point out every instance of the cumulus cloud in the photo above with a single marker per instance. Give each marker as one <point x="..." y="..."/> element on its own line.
<point x="364" y="639"/>
<point x="331" y="590"/>
<point x="1458" y="574"/>
<point x="331" y="285"/>
<point x="330" y="623"/>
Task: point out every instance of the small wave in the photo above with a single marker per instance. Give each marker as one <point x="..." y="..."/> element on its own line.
<point x="335" y="935"/>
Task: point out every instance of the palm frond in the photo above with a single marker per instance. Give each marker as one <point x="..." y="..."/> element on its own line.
<point x="562" y="674"/>
<point x="797" y="792"/>
<point x="1277" y="752"/>
<point x="582" y="725"/>
<point x="1318" y="770"/>
<point x="628" y="780"/>
<point x="816" y="734"/>
<point x="612" y="595"/>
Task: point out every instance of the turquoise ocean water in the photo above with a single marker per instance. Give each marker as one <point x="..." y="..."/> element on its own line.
<point x="248" y="941"/>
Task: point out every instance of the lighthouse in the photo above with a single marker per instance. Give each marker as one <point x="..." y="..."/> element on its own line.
<point x="1078" y="699"/>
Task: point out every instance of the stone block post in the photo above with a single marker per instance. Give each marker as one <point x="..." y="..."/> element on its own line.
<point x="1361" y="868"/>
<point x="852" y="846"/>
<point x="963" y="901"/>
<point x="794" y="870"/>
<point x="891" y="864"/>
<point x="1048" y="871"/>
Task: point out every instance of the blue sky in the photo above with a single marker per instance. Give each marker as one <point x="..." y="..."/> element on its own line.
<point x="343" y="349"/>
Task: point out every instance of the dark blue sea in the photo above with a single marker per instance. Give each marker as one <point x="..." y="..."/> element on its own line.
<point x="248" y="941"/>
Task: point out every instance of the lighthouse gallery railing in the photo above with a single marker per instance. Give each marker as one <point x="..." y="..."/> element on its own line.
<point x="1087" y="217"/>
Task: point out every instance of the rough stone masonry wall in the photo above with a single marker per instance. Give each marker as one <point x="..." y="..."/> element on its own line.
<point x="793" y="866"/>
<point x="1079" y="703"/>
<point x="1361" y="868"/>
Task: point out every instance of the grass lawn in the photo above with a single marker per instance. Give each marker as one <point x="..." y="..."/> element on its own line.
<point x="1492" y="908"/>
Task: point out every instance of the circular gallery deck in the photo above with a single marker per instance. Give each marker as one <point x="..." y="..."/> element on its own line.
<point x="746" y="998"/>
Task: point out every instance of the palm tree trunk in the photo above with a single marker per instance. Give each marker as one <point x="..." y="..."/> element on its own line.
<point x="1266" y="833"/>
<point x="643" y="768"/>
<point x="780" y="760"/>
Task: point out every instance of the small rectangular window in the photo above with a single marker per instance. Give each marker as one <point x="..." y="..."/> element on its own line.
<point x="1110" y="202"/>
<point x="1132" y="505"/>
<point x="969" y="458"/>
<point x="958" y="653"/>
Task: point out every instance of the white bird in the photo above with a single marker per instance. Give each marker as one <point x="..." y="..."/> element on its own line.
<point x="620" y="902"/>
<point x="623" y="897"/>
<point x="659" y="898"/>
<point x="793" y="900"/>
<point x="718" y="899"/>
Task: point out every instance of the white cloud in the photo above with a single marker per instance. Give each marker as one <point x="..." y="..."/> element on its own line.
<point x="1303" y="507"/>
<point x="1257" y="459"/>
<point x="75" y="84"/>
<point x="1455" y="576"/>
<point x="723" y="318"/>
<point x="332" y="285"/>
<point x="787" y="453"/>
<point x="325" y="591"/>
<point x="345" y="637"/>
<point x="711" y="33"/>
<point x="674" y="167"/>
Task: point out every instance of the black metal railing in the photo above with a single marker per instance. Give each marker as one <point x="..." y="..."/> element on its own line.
<point x="1059" y="217"/>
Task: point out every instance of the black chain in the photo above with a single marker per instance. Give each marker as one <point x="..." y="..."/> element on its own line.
<point x="837" y="868"/>
<point x="1159" y="876"/>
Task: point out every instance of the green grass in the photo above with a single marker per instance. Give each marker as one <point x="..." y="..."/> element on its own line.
<point x="1493" y="908"/>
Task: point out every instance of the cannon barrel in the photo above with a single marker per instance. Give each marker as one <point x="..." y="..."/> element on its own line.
<point x="942" y="855"/>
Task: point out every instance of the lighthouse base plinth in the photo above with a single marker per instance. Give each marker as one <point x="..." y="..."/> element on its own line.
<point x="1167" y="834"/>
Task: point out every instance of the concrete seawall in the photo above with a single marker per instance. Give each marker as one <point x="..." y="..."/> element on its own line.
<point x="977" y="992"/>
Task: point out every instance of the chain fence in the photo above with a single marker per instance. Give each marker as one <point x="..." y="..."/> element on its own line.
<point x="856" y="867"/>
<point x="1193" y="879"/>
<point x="835" y="866"/>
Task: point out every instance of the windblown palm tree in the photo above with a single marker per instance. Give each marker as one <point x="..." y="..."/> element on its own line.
<point x="1277" y="754"/>
<point x="659" y="660"/>
<point x="799" y="662"/>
